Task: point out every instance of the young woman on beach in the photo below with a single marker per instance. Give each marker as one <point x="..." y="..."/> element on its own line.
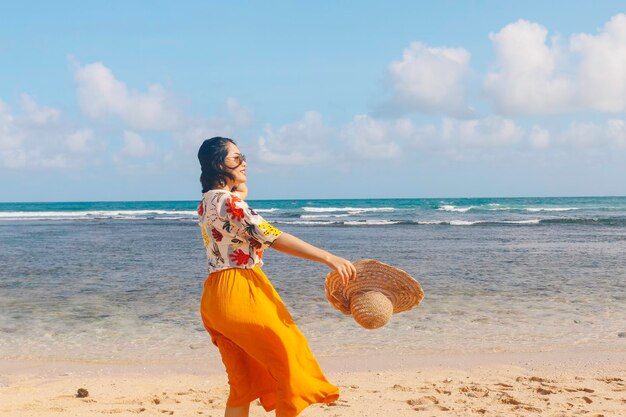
<point x="265" y="354"/>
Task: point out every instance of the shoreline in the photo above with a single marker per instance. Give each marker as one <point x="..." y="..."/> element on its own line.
<point x="561" y="383"/>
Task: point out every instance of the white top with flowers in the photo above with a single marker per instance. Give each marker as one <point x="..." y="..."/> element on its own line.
<point x="234" y="235"/>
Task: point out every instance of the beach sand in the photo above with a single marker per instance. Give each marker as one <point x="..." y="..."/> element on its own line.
<point x="483" y="384"/>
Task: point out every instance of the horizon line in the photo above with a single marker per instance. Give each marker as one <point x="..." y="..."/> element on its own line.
<point x="314" y="199"/>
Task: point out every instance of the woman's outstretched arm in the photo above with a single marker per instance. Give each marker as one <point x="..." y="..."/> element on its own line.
<point x="291" y="245"/>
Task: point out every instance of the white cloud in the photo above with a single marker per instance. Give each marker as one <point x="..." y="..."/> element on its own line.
<point x="300" y="143"/>
<point x="602" y="71"/>
<point x="539" y="137"/>
<point x="9" y="137"/>
<point x="138" y="155"/>
<point x="581" y="135"/>
<point x="37" y="114"/>
<point x="33" y="138"/>
<point x="191" y="137"/>
<point x="527" y="80"/>
<point x="615" y="130"/>
<point x="378" y="139"/>
<point x="21" y="158"/>
<point x="241" y="116"/>
<point x="135" y="146"/>
<point x="101" y="95"/>
<point x="429" y="79"/>
<point x="611" y="134"/>
<point x="82" y="141"/>
<point x="535" y="78"/>
<point x="491" y="131"/>
<point x="373" y="138"/>
<point x="191" y="134"/>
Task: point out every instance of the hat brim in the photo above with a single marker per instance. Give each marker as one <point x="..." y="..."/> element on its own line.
<point x="403" y="291"/>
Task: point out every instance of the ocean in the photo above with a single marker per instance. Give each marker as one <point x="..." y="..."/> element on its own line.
<point x="121" y="281"/>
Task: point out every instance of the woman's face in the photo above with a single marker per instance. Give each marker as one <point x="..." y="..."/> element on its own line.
<point x="234" y="163"/>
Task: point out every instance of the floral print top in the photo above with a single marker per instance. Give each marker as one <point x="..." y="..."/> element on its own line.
<point x="234" y="235"/>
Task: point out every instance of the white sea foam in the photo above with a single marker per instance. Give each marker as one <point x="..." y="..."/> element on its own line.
<point x="352" y="210"/>
<point x="537" y="209"/>
<point x="470" y="223"/>
<point x="323" y="216"/>
<point x="348" y="223"/>
<point x="462" y="222"/>
<point x="91" y="214"/>
<point x="307" y="222"/>
<point x="530" y="221"/>
<point x="270" y="210"/>
<point x="448" y="207"/>
<point x="47" y="214"/>
<point x="448" y="222"/>
<point x="371" y="223"/>
<point x="534" y="209"/>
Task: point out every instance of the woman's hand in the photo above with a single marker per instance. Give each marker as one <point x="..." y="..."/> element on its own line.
<point x="343" y="267"/>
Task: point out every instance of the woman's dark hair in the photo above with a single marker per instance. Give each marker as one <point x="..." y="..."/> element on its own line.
<point x="211" y="154"/>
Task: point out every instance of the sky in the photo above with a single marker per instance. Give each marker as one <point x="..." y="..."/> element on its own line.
<point x="110" y="101"/>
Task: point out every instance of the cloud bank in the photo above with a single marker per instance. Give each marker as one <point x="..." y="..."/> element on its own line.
<point x="101" y="95"/>
<point x="303" y="142"/>
<point x="534" y="77"/>
<point x="38" y="137"/>
<point x="428" y="108"/>
<point x="428" y="79"/>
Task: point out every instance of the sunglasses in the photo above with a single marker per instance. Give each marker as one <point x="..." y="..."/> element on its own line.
<point x="239" y="159"/>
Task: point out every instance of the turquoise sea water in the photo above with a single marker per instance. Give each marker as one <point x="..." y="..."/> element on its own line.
<point x="462" y="212"/>
<point x="122" y="280"/>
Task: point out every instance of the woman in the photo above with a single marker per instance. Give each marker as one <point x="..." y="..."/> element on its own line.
<point x="265" y="354"/>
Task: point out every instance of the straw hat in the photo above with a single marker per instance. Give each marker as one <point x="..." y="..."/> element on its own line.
<point x="378" y="291"/>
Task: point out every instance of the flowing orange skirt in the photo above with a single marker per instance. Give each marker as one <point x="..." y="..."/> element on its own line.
<point x="265" y="354"/>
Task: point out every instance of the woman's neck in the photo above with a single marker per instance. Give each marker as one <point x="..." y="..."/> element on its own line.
<point x="227" y="187"/>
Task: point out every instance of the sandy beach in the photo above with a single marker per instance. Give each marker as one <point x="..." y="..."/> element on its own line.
<point x="487" y="384"/>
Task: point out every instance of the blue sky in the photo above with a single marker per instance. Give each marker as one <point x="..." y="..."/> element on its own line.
<point x="111" y="101"/>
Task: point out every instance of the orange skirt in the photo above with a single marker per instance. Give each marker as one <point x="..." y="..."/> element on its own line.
<point x="265" y="354"/>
